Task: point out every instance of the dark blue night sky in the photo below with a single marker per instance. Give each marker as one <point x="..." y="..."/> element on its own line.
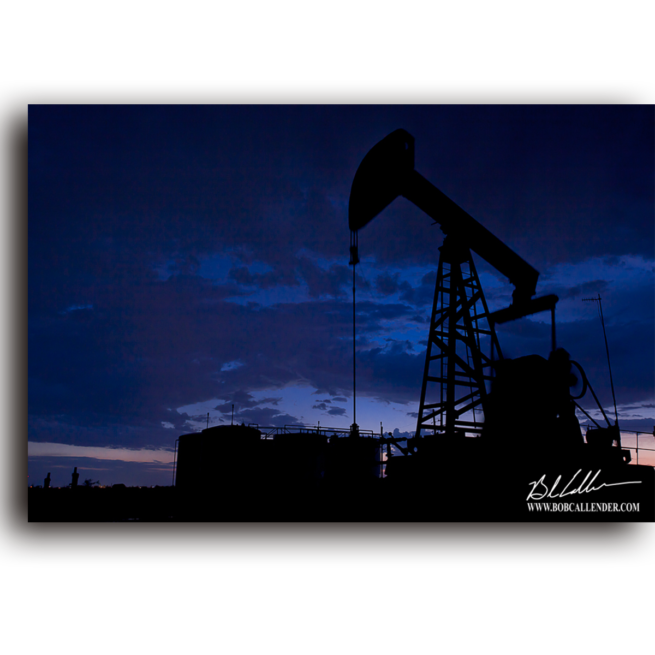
<point x="184" y="259"/>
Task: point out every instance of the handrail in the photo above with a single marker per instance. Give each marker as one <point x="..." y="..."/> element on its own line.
<point x="289" y="428"/>
<point x="636" y="448"/>
<point x="320" y="428"/>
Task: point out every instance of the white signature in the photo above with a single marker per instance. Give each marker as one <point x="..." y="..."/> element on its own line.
<point x="584" y="487"/>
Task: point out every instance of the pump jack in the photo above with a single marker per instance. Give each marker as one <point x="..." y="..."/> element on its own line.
<point x="510" y="392"/>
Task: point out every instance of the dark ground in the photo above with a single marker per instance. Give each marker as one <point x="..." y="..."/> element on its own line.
<point x="455" y="498"/>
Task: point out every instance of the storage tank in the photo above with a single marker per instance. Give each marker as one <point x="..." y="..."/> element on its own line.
<point x="221" y="456"/>
<point x="353" y="459"/>
<point x="299" y="458"/>
<point x="237" y="456"/>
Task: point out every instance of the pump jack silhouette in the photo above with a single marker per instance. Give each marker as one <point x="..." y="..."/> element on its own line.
<point x="465" y="372"/>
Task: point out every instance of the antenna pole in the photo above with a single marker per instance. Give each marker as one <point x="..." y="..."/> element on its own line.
<point x="607" y="350"/>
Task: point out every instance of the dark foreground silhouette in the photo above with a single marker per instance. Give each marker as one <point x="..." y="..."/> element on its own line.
<point x="88" y="504"/>
<point x="233" y="474"/>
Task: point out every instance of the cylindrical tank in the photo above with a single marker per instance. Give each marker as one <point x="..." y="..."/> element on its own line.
<point x="235" y="462"/>
<point x="225" y="455"/>
<point x="353" y="459"/>
<point x="298" y="458"/>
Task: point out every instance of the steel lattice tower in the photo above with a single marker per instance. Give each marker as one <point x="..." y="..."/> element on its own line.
<point x="457" y="370"/>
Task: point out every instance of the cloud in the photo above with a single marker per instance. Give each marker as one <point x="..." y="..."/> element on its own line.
<point x="593" y="287"/>
<point x="271" y="401"/>
<point x="184" y="265"/>
<point x="423" y="295"/>
<point x="125" y="325"/>
<point x="244" y="400"/>
<point x="387" y="283"/>
<point x="331" y="282"/>
<point x="266" y="416"/>
<point x="279" y="277"/>
<point x="397" y="434"/>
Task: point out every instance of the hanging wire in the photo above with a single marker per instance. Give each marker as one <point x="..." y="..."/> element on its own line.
<point x="354" y="260"/>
